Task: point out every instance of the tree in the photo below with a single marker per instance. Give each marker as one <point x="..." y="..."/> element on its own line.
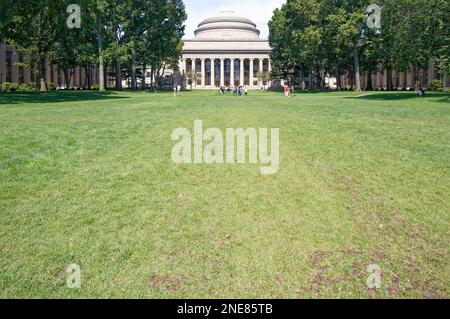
<point x="412" y="32"/>
<point x="73" y="46"/>
<point x="317" y="36"/>
<point x="6" y="7"/>
<point x="153" y="33"/>
<point x="296" y="36"/>
<point x="33" y="29"/>
<point x="96" y="11"/>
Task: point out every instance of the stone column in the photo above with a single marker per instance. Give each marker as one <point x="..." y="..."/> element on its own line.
<point x="48" y="72"/>
<point x="203" y="74"/>
<point x="184" y="72"/>
<point x="26" y="71"/>
<point x="222" y="72"/>
<point x="213" y="73"/>
<point x="410" y="79"/>
<point x="15" y="69"/>
<point x="269" y="65"/>
<point x="261" y="69"/>
<point x="241" y="72"/>
<point x="402" y="80"/>
<point x="232" y="72"/>
<point x="194" y="74"/>
<point x="251" y="73"/>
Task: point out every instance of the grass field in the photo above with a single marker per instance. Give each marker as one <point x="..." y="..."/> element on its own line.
<point x="87" y="178"/>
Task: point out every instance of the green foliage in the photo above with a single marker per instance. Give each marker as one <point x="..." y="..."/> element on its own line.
<point x="26" y="88"/>
<point x="5" y="16"/>
<point x="437" y="85"/>
<point x="51" y="86"/>
<point x="326" y="36"/>
<point x="125" y="32"/>
<point x="9" y="87"/>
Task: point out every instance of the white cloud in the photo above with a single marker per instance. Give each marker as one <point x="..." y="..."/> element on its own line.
<point x="259" y="11"/>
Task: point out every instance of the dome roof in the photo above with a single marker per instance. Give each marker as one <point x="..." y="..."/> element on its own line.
<point x="227" y="25"/>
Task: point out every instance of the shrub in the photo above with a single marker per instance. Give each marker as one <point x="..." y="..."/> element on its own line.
<point x="10" y="87"/>
<point x="26" y="87"/>
<point x="95" y="87"/>
<point x="6" y="86"/>
<point x="437" y="85"/>
<point x="51" y="86"/>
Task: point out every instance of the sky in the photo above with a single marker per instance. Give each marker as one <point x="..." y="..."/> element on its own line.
<point x="259" y="11"/>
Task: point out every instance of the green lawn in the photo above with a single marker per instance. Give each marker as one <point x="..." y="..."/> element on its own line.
<point x="88" y="179"/>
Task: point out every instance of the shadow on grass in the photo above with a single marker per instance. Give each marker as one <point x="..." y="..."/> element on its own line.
<point x="436" y="97"/>
<point x="57" y="97"/>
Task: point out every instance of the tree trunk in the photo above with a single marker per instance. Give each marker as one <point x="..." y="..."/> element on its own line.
<point x="152" y="73"/>
<point x="310" y="80"/>
<point x="101" y="64"/>
<point x="133" y="70"/>
<point x="389" y="83"/>
<point x="43" y="84"/>
<point x="414" y="74"/>
<point x="144" y="72"/>
<point x="322" y="75"/>
<point x="87" y="71"/>
<point x="318" y="80"/>
<point x="36" y="71"/>
<point x="357" y="70"/>
<point x="338" y="76"/>
<point x="118" y="74"/>
<point x="66" y="78"/>
<point x="369" y="81"/>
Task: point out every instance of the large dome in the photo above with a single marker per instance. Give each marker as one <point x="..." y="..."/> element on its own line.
<point x="227" y="25"/>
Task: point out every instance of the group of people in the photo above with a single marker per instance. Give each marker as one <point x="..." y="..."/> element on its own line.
<point x="289" y="91"/>
<point x="176" y="90"/>
<point x="421" y="92"/>
<point x="237" y="90"/>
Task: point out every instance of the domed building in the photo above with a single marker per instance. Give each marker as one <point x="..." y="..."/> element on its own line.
<point x="227" y="51"/>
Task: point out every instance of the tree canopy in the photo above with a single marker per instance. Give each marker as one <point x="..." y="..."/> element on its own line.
<point x="129" y="36"/>
<point x="333" y="36"/>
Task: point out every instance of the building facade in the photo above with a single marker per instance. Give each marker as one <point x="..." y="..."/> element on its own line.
<point x="12" y="71"/>
<point x="226" y="51"/>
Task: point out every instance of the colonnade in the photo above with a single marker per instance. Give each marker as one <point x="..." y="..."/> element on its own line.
<point x="215" y="72"/>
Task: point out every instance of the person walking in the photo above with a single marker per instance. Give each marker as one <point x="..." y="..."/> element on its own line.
<point x="246" y="90"/>
<point x="286" y="91"/>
